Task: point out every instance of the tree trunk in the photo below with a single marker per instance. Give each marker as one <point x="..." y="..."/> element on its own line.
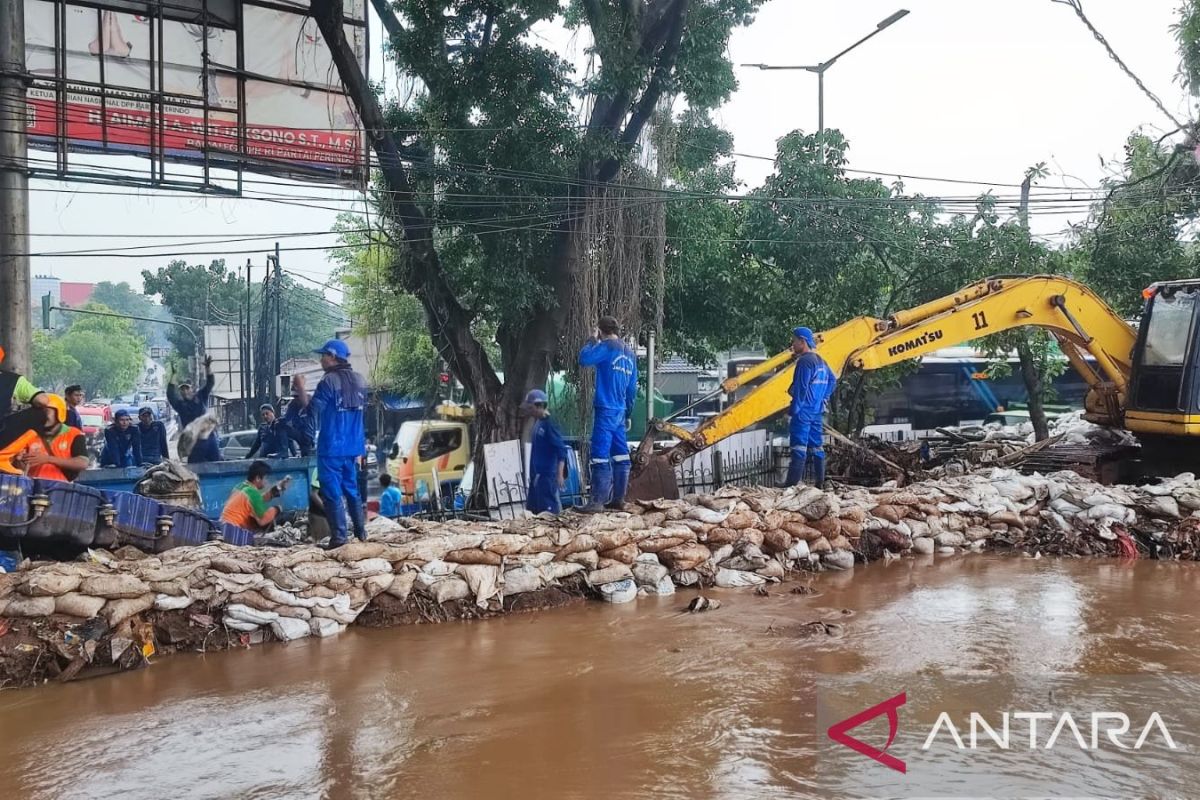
<point x="1034" y="387"/>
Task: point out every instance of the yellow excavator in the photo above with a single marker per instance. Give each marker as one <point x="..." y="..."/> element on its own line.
<point x="1145" y="380"/>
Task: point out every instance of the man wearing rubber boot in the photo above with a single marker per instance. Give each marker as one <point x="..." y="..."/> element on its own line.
<point x="616" y="391"/>
<point x="339" y="400"/>
<point x="812" y="386"/>
<point x="547" y="457"/>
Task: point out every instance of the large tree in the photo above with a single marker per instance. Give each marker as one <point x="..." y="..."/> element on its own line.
<point x="109" y="352"/>
<point x="124" y="300"/>
<point x="490" y="173"/>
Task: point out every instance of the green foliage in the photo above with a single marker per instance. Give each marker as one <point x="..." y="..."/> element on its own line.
<point x="53" y="368"/>
<point x="214" y="294"/>
<point x="1134" y="239"/>
<point x="108" y="352"/>
<point x="1187" y="36"/>
<point x="123" y="300"/>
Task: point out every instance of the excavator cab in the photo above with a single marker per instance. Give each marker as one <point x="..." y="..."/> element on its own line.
<point x="1164" y="385"/>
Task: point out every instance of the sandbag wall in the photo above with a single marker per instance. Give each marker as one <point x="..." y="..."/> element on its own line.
<point x="738" y="537"/>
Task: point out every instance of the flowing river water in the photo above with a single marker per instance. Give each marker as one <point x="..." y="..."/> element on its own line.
<point x="644" y="701"/>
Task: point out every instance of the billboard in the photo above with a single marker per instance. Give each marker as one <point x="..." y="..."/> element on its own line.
<point x="226" y="84"/>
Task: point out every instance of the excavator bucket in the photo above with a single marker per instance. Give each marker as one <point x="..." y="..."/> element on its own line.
<point x="654" y="479"/>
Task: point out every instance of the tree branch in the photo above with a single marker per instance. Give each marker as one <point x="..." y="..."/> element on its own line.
<point x="391" y="22"/>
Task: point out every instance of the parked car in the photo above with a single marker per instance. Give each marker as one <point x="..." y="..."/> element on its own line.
<point x="237" y="444"/>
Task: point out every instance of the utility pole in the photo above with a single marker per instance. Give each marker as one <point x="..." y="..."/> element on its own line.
<point x="649" y="377"/>
<point x="15" y="313"/>
<point x="278" y="323"/>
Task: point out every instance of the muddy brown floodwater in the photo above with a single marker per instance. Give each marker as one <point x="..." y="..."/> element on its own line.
<point x="636" y="700"/>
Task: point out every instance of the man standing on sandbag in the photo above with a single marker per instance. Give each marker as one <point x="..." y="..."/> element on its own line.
<point x="616" y="392"/>
<point x="812" y="386"/>
<point x="547" y="457"/>
<point x="339" y="400"/>
<point x="190" y="406"/>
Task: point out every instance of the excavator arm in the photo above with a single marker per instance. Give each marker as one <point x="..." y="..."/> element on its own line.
<point x="1081" y="322"/>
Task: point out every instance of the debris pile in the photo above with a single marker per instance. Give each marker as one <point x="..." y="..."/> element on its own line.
<point x="78" y="614"/>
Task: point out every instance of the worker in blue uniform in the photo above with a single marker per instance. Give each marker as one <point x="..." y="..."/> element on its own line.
<point x="190" y="406"/>
<point x="547" y="457"/>
<point x="813" y="383"/>
<point x="301" y="423"/>
<point x="274" y="440"/>
<point x="616" y="391"/>
<point x="152" y="435"/>
<point x="340" y="401"/>
<point x="122" y="445"/>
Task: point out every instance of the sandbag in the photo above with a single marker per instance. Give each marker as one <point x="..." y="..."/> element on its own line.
<point x="740" y="519"/>
<point x="580" y="543"/>
<point x="450" y="588"/>
<point x="356" y="570"/>
<point x="359" y="551"/>
<point x="50" y="583"/>
<point x="820" y="546"/>
<point x="239" y="625"/>
<point x="589" y="559"/>
<point x="324" y="628"/>
<point x="647" y="574"/>
<point x="253" y="616"/>
<point x="840" y="542"/>
<point x="625" y="554"/>
<point x="721" y="536"/>
<point x="229" y="564"/>
<point x="620" y="592"/>
<point x="708" y="515"/>
<point x="773" y="570"/>
<point x="684" y="556"/>
<point x="115" y="586"/>
<point x="838" y="560"/>
<point x="284" y="578"/>
<point x="686" y="577"/>
<point x="482" y="580"/>
<point x="730" y="579"/>
<point x="557" y="570"/>
<point x="288" y="629"/>
<point x="20" y="605"/>
<point x="170" y="602"/>
<point x="923" y="546"/>
<point x="117" y="611"/>
<point x="611" y="540"/>
<point x="617" y="572"/>
<point x="541" y="544"/>
<point x="402" y="585"/>
<point x="890" y="513"/>
<point x="74" y="604"/>
<point x="484" y="557"/>
<point x="663" y="587"/>
<point x="778" y="541"/>
<point x="377" y="584"/>
<point x="801" y="530"/>
<point x="657" y="545"/>
<point x="950" y="539"/>
<point x="505" y="544"/>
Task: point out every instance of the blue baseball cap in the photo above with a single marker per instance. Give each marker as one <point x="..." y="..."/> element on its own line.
<point x="266" y="407"/>
<point x="336" y="348"/>
<point x="536" y="396"/>
<point x="805" y="334"/>
<point x="121" y="412"/>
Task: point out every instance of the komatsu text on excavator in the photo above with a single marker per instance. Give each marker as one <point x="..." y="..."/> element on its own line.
<point x="1145" y="379"/>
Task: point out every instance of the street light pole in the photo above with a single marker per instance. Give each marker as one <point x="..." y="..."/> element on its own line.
<point x="823" y="67"/>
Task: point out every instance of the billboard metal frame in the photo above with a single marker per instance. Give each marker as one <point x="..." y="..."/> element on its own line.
<point x="213" y="160"/>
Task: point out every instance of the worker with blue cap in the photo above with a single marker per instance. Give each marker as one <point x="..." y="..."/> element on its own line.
<point x="616" y="392"/>
<point x="274" y="440"/>
<point x="340" y="401"/>
<point x="547" y="457"/>
<point x="813" y="383"/>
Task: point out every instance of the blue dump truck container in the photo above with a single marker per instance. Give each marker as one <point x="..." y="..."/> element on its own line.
<point x="15" y="491"/>
<point x="189" y="527"/>
<point x="71" y="518"/>
<point x="232" y="534"/>
<point x="136" y="521"/>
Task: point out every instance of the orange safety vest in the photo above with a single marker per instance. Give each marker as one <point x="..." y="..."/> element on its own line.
<point x="60" y="447"/>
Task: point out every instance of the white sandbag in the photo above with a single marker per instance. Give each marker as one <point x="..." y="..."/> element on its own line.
<point x="1164" y="506"/>
<point x="721" y="553"/>
<point x="483" y="581"/>
<point x="923" y="545"/>
<point x="402" y="585"/>
<point x="438" y="568"/>
<point x="114" y="587"/>
<point x="1111" y="511"/>
<point x="324" y="628"/>
<point x="648" y="558"/>
<point x="663" y="587"/>
<point x="366" y="568"/>
<point x="288" y="629"/>
<point x="798" y="551"/>
<point x="251" y="615"/>
<point x="450" y="588"/>
<point x="731" y="578"/>
<point x="22" y="606"/>
<point x="117" y="611"/>
<point x="686" y="577"/>
<point x="646" y="574"/>
<point x="838" y="560"/>
<point x="619" y="592"/>
<point x="557" y="570"/>
<point x="708" y="515"/>
<point x="522" y="579"/>
<point x="238" y="625"/>
<point x="950" y="539"/>
<point x="617" y="572"/>
<point x="74" y="604"/>
<point x="167" y="602"/>
<point x="50" y="583"/>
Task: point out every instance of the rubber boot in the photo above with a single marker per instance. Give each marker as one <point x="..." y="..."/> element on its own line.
<point x="620" y="485"/>
<point x="795" y="473"/>
<point x="602" y="482"/>
<point x="355" y="509"/>
<point x="818" y="471"/>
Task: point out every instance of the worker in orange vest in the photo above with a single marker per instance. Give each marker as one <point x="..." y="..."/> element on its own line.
<point x="58" y="452"/>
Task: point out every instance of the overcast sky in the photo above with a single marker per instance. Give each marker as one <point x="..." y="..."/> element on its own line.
<point x="964" y="89"/>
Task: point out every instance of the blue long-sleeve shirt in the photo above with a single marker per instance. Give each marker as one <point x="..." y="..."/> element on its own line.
<point x="547" y="448"/>
<point x="616" y="374"/>
<point x="274" y="441"/>
<point x="207" y="449"/>
<point x="812" y="386"/>
<point x="122" y="448"/>
<point x="153" y="442"/>
<point x="340" y="400"/>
